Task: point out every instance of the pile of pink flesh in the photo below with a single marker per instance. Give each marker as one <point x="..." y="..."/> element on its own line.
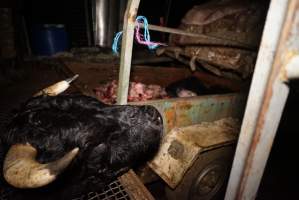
<point x="107" y="93"/>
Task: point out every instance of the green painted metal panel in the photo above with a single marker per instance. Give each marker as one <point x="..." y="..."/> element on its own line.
<point x="179" y="112"/>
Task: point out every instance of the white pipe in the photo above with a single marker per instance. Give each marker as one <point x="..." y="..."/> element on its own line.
<point x="268" y="48"/>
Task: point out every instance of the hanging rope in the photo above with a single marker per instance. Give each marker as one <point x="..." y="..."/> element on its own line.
<point x="115" y="42"/>
<point x="143" y="39"/>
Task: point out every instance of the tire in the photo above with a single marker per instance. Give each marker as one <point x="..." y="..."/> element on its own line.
<point x="207" y="178"/>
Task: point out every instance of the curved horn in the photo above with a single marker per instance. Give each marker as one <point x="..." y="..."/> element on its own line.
<point x="21" y="170"/>
<point x="57" y="88"/>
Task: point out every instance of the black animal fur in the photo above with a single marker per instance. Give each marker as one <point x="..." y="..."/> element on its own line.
<point x="111" y="139"/>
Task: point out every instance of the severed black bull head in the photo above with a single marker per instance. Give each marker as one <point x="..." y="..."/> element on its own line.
<point x="94" y="141"/>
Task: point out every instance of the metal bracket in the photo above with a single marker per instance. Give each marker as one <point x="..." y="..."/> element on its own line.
<point x="292" y="68"/>
<point x="181" y="147"/>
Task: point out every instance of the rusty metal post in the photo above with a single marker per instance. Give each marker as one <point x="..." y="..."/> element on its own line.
<point x="266" y="99"/>
<point x="217" y="40"/>
<point x="126" y="51"/>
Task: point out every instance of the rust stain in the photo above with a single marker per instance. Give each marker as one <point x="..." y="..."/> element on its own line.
<point x="176" y="150"/>
<point x="207" y="134"/>
<point x="170" y="117"/>
<point x="185" y="105"/>
<point x="261" y="120"/>
<point x="183" y="119"/>
<point x="170" y="180"/>
<point x="257" y="136"/>
<point x="134" y="186"/>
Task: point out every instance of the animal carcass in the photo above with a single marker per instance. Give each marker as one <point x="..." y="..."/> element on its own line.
<point x="60" y="147"/>
<point x="230" y="34"/>
<point x="107" y="93"/>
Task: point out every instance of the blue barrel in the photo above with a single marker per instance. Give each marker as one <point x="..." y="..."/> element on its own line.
<point x="48" y="39"/>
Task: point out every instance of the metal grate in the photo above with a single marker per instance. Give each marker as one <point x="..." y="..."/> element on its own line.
<point x="113" y="191"/>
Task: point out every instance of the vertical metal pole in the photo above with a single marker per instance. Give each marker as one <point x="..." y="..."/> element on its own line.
<point x="87" y="21"/>
<point x="263" y="66"/>
<point x="101" y="20"/>
<point x="266" y="100"/>
<point x="126" y="51"/>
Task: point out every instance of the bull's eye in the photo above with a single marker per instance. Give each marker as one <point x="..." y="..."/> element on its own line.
<point x="160" y="119"/>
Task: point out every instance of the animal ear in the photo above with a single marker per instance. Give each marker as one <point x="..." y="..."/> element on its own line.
<point x="21" y="170"/>
<point x="96" y="158"/>
<point x="97" y="152"/>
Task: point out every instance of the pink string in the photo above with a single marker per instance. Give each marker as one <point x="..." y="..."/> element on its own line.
<point x="140" y="38"/>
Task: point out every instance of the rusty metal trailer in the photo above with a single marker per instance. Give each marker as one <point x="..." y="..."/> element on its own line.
<point x="199" y="131"/>
<point x="196" y="129"/>
<point x="276" y="65"/>
<point x="194" y="157"/>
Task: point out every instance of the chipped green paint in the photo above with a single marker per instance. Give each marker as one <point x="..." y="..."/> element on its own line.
<point x="179" y="112"/>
